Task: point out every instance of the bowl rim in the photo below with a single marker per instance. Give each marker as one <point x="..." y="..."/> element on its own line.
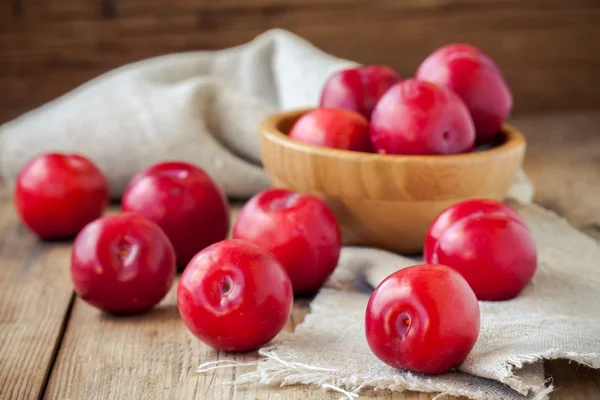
<point x="269" y="127"/>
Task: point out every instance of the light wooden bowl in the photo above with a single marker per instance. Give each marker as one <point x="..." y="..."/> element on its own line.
<point x="387" y="201"/>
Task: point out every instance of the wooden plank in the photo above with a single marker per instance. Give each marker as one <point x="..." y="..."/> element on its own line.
<point x="563" y="161"/>
<point x="573" y="381"/>
<point x="53" y="46"/>
<point x="91" y="8"/>
<point x="147" y="356"/>
<point x="35" y="297"/>
<point x="154" y="356"/>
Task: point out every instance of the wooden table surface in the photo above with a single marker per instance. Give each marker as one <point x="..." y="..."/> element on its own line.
<point x="54" y="346"/>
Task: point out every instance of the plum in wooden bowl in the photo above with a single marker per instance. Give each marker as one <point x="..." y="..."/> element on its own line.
<point x="382" y="200"/>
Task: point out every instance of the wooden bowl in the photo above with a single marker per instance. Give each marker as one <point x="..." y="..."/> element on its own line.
<point x="387" y="201"/>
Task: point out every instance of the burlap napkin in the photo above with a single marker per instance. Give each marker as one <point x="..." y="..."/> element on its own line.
<point x="204" y="107"/>
<point x="557" y="316"/>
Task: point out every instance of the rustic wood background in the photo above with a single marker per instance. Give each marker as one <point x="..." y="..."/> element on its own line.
<point x="548" y="49"/>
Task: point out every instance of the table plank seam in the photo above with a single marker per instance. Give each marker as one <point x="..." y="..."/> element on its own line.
<point x="57" y="346"/>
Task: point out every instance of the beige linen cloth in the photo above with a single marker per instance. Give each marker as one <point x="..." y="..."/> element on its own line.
<point x="557" y="316"/>
<point x="204" y="107"/>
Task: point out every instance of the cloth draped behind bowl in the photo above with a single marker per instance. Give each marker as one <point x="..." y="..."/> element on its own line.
<point x="204" y="107"/>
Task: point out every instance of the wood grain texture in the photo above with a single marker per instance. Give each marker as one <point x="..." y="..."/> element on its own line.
<point x="549" y="50"/>
<point x="563" y="161"/>
<point x="382" y="201"/>
<point x="573" y="381"/>
<point x="35" y="294"/>
<point x="154" y="356"/>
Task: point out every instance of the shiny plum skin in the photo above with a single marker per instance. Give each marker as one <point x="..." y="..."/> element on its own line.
<point x="423" y="318"/>
<point x="56" y="194"/>
<point x="417" y="117"/>
<point x="488" y="243"/>
<point x="476" y="79"/>
<point x="358" y="89"/>
<point x="184" y="201"/>
<point x="334" y="128"/>
<point x="462" y="210"/>
<point x="234" y="296"/>
<point x="122" y="264"/>
<point x="299" y="229"/>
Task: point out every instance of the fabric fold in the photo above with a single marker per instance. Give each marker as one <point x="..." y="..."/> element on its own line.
<point x="202" y="107"/>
